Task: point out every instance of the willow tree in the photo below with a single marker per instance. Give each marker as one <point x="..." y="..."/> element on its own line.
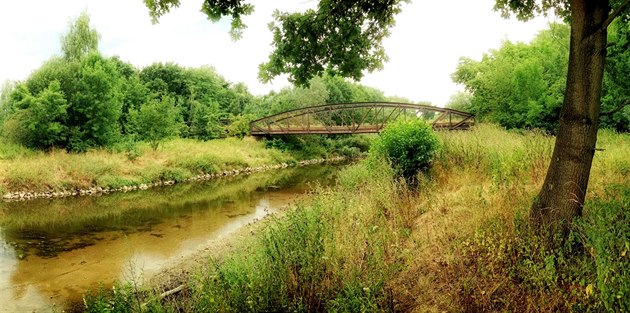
<point x="345" y="38"/>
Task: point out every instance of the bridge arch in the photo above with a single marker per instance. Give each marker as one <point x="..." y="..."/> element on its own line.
<point x="356" y="118"/>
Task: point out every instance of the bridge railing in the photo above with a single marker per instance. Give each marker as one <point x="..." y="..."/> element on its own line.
<point x="358" y="117"/>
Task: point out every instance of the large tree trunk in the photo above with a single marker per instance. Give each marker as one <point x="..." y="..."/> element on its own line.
<point x="562" y="195"/>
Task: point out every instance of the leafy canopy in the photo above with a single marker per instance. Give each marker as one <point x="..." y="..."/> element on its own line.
<point x="340" y="37"/>
<point x="519" y="85"/>
<point x="214" y="9"/>
<point x="522" y="85"/>
<point x="156" y="121"/>
<point x="80" y="38"/>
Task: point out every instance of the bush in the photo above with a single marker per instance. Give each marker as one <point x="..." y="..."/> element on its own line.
<point x="239" y="127"/>
<point x="408" y="145"/>
<point x="155" y="121"/>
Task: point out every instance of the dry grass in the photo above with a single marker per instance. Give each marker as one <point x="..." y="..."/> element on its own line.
<point x="24" y="170"/>
<point x="484" y="177"/>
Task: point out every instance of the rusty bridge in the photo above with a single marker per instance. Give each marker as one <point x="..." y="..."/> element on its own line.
<point x="356" y="118"/>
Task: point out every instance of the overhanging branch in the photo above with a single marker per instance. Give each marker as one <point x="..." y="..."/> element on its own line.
<point x="617" y="109"/>
<point x="622" y="8"/>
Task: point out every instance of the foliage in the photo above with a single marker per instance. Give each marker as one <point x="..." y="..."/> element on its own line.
<point x="95" y="105"/>
<point x="410" y="146"/>
<point x="214" y="9"/>
<point x="519" y="85"/>
<point x="461" y="101"/>
<point x="615" y="97"/>
<point x="352" y="43"/>
<point x="321" y="90"/>
<point x="40" y="119"/>
<point x="320" y="146"/>
<point x="592" y="260"/>
<point x="80" y="38"/>
<point x="5" y="100"/>
<point x="526" y="10"/>
<point x="205" y="99"/>
<point x="605" y="228"/>
<point x="156" y="121"/>
<point x="342" y="91"/>
<point x="239" y="125"/>
<point x="86" y="108"/>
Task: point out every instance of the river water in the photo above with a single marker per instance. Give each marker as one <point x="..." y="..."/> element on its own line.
<point x="52" y="251"/>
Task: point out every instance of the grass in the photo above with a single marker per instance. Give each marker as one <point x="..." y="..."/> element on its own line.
<point x="458" y="242"/>
<point x="25" y="170"/>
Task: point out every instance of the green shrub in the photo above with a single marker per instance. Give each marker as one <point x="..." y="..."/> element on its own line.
<point x="239" y="126"/>
<point x="607" y="233"/>
<point x="40" y="117"/>
<point x="155" y="121"/>
<point x="408" y="145"/>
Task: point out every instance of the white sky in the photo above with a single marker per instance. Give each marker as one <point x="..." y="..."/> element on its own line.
<point x="424" y="47"/>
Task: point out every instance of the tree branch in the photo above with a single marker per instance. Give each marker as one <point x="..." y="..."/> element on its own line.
<point x="617" y="109"/>
<point x="616" y="13"/>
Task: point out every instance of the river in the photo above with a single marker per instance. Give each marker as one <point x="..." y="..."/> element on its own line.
<point x="52" y="251"/>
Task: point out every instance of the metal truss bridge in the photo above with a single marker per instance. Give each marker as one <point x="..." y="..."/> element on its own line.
<point x="357" y="118"/>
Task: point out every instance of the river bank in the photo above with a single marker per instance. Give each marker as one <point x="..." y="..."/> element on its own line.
<point x="98" y="190"/>
<point x="28" y="175"/>
<point x="58" y="249"/>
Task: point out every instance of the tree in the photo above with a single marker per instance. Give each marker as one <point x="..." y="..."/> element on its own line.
<point x="80" y="39"/>
<point x="5" y="103"/>
<point x="519" y="85"/>
<point x="345" y="38"/>
<point x="95" y="105"/>
<point x="156" y="120"/>
<point x="40" y="119"/>
<point x="562" y="195"/>
<point x="341" y="37"/>
<point x="460" y="101"/>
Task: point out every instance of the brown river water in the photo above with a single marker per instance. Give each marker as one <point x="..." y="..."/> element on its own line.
<point x="53" y="251"/>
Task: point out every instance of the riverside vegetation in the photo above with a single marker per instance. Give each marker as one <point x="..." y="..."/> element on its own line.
<point x="87" y="121"/>
<point x="458" y="240"/>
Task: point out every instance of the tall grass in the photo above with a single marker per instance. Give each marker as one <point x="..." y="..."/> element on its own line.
<point x="498" y="261"/>
<point x="24" y="170"/>
<point x="303" y="262"/>
<point x="459" y="242"/>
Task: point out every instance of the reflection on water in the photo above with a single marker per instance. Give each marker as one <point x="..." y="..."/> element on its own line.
<point x="51" y="251"/>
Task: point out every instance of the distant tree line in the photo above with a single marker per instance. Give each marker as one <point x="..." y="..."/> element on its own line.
<point x="82" y="100"/>
<point x="521" y="85"/>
